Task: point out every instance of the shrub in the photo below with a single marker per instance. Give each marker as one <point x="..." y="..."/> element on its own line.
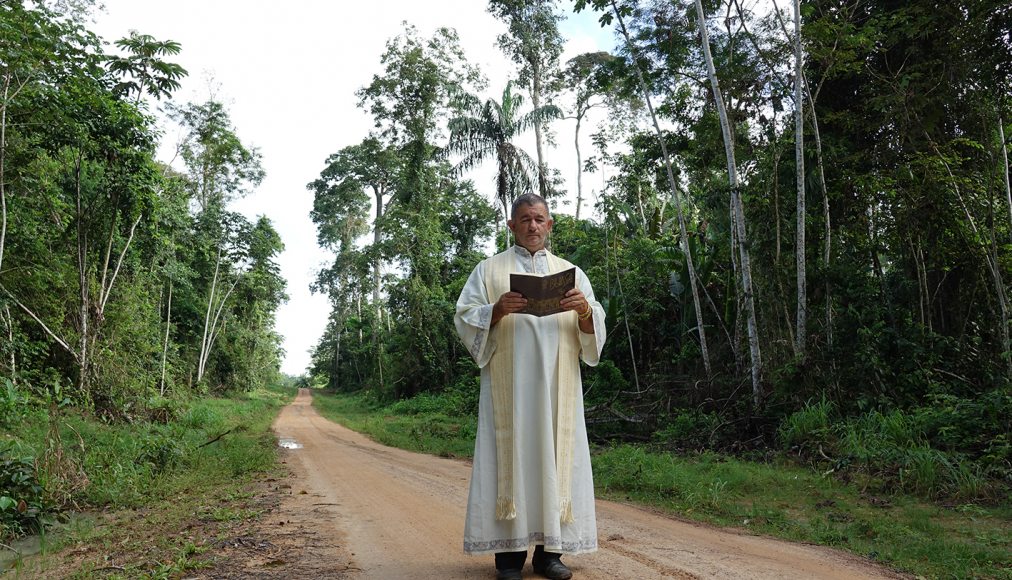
<point x="688" y="429"/>
<point x="22" y="503"/>
<point x="13" y="405"/>
<point x="808" y="427"/>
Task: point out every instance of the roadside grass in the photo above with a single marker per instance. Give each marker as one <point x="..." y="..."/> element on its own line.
<point x="402" y="425"/>
<point x="779" y="498"/>
<point x="158" y="496"/>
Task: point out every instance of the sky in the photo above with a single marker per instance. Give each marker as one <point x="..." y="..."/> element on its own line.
<point x="288" y="72"/>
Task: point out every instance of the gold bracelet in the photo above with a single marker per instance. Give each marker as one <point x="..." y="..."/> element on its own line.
<point x="586" y="315"/>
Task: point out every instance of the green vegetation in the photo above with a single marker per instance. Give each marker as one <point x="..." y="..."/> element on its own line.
<point x="443" y="424"/>
<point x="825" y="276"/>
<point x="128" y="288"/>
<point x="774" y="497"/>
<point x="149" y="480"/>
<point x="844" y="309"/>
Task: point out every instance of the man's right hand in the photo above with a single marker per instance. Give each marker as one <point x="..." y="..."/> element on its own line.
<point x="508" y="303"/>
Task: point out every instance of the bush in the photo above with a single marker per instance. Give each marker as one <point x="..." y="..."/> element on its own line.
<point x="689" y="429"/>
<point x="13" y="405"/>
<point x="807" y="428"/>
<point x="160" y="451"/>
<point x="22" y="503"/>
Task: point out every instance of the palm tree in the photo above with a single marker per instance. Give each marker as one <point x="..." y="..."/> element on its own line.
<point x="486" y="130"/>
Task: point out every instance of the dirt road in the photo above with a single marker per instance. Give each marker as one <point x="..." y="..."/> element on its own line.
<point x="378" y="512"/>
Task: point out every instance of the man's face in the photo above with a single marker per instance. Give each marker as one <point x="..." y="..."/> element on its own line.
<point x="530" y="225"/>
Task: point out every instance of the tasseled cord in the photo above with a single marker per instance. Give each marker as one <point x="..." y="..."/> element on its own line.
<point x="506" y="509"/>
<point x="566" y="509"/>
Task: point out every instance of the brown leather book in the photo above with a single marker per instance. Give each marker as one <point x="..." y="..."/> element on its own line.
<point x="543" y="293"/>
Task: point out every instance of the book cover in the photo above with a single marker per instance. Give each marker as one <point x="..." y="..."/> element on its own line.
<point x="543" y="293"/>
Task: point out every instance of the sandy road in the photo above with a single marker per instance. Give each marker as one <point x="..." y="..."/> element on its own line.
<point x="395" y="514"/>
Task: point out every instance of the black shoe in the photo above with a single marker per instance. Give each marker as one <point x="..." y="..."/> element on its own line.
<point x="553" y="569"/>
<point x="509" y="574"/>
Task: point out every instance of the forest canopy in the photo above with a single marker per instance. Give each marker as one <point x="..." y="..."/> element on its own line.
<point x="802" y="239"/>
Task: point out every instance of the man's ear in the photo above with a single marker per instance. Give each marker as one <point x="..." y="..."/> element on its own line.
<point x="509" y="224"/>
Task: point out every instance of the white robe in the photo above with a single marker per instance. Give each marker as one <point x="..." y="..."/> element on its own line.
<point x="535" y="390"/>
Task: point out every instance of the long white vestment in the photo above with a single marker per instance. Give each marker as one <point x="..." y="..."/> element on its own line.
<point x="535" y="350"/>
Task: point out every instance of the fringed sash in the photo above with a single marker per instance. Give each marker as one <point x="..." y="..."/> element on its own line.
<point x="497" y="283"/>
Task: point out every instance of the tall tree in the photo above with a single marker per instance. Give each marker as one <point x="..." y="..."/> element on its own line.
<point x="534" y="43"/>
<point x="219" y="169"/>
<point x="488" y="130"/>
<point x="583" y="75"/>
<point x="693" y="281"/>
<point x="737" y="209"/>
<point x="799" y="155"/>
<point x="148" y="73"/>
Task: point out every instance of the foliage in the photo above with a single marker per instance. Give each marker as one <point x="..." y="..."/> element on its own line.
<point x="915" y="450"/>
<point x="487" y="130"/>
<point x="22" y="498"/>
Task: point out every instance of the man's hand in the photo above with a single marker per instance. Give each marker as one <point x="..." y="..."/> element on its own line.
<point x="508" y="303"/>
<point x="575" y="300"/>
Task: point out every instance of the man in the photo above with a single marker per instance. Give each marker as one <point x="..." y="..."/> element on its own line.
<point x="531" y="482"/>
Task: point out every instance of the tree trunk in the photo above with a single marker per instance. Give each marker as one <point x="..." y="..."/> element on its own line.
<point x="536" y="100"/>
<point x="1004" y="156"/>
<point x="165" y="343"/>
<point x="204" y="342"/>
<point x="821" y="172"/>
<point x="739" y="214"/>
<point x="579" y="167"/>
<point x="3" y="183"/>
<point x="9" y="320"/>
<point x="683" y="229"/>
<point x="377" y="341"/>
<point x="799" y="153"/>
<point x="82" y="280"/>
<point x="337" y="360"/>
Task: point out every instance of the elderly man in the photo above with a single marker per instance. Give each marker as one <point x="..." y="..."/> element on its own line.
<point x="531" y="482"/>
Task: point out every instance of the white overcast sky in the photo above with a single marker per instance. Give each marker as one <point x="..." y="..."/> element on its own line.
<point x="288" y="72"/>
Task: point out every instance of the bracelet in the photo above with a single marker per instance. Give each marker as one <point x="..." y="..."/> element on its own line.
<point x="586" y="315"/>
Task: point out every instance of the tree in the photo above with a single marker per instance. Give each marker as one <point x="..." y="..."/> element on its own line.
<point x="219" y="167"/>
<point x="799" y="155"/>
<point x="149" y="73"/>
<point x="583" y="74"/>
<point x="697" y="304"/>
<point x="737" y="210"/>
<point x="487" y="130"/>
<point x="534" y="43"/>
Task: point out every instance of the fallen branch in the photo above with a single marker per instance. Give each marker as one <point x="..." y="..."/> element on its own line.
<point x="205" y="444"/>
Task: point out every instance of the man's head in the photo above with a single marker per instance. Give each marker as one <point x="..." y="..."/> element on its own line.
<point x="530" y="221"/>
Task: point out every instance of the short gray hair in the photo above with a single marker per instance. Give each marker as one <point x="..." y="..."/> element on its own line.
<point x="531" y="199"/>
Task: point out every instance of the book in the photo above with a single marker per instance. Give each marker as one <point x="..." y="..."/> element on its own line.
<point x="543" y="292"/>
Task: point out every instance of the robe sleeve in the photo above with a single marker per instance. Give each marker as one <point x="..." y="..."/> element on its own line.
<point x="591" y="345"/>
<point x="474" y="316"/>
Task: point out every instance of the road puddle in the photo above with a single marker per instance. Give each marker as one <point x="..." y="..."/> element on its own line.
<point x="289" y="443"/>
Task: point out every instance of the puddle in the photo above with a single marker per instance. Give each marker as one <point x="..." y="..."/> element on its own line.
<point x="289" y="443"/>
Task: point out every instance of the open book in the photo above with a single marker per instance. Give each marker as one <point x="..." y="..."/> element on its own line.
<point x="543" y="293"/>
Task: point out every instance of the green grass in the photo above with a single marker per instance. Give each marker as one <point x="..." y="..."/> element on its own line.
<point x="404" y="426"/>
<point x="152" y="481"/>
<point x="786" y="501"/>
<point x="780" y="499"/>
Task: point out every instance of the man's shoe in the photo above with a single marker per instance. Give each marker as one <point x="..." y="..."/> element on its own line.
<point x="554" y="570"/>
<point x="511" y="574"/>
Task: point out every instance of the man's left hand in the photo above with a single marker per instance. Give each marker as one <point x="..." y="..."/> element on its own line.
<point x="575" y="300"/>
